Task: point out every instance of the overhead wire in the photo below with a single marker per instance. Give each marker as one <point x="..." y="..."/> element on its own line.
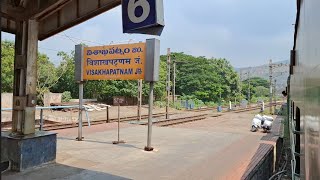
<point x="40" y="47"/>
<point x="72" y="39"/>
<point x="69" y="38"/>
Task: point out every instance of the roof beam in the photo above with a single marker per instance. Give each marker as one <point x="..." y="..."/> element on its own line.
<point x="53" y="16"/>
<point x="74" y="13"/>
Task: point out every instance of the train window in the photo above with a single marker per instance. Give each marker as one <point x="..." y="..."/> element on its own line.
<point x="293" y="116"/>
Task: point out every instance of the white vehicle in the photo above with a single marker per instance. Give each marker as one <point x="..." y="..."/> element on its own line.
<point x="261" y="122"/>
<point x="256" y="124"/>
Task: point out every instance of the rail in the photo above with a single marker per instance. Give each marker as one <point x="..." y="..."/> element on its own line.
<point x="54" y="107"/>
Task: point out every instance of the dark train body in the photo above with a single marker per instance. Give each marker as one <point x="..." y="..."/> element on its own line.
<point x="304" y="91"/>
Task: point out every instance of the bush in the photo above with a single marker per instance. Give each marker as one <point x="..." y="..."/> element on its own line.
<point x="210" y="104"/>
<point x="198" y="103"/>
<point x="160" y="104"/>
<point x="66" y="96"/>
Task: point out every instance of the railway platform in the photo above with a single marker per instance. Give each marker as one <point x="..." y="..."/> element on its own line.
<point x="215" y="149"/>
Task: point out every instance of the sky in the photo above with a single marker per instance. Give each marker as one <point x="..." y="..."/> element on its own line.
<point x="245" y="32"/>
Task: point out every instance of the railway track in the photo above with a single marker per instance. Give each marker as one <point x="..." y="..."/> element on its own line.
<point x="254" y="108"/>
<point x="224" y="107"/>
<point x="161" y="123"/>
<point x="174" y="121"/>
<point x="57" y="125"/>
<point x="202" y="109"/>
<point x="245" y="110"/>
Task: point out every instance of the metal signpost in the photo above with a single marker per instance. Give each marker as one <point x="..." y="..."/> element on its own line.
<point x="127" y="61"/>
<point x="79" y="80"/>
<point x="118" y="62"/>
<point x="151" y="76"/>
<point x="146" y="17"/>
<point x="118" y="141"/>
<point x="79" y="138"/>
<point x="139" y="98"/>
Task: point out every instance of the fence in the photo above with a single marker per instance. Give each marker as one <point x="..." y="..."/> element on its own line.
<point x="41" y="123"/>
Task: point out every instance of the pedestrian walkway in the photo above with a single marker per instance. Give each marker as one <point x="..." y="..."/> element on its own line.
<point x="180" y="153"/>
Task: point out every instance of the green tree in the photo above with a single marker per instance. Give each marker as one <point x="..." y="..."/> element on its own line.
<point x="257" y="81"/>
<point x="48" y="75"/>
<point x="259" y="87"/>
<point x="7" y="63"/>
<point x="261" y="91"/>
<point x="205" y="78"/>
<point x="67" y="81"/>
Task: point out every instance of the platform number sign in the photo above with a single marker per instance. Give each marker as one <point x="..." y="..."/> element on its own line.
<point x="143" y="16"/>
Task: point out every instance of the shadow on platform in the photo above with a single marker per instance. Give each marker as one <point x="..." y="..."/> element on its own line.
<point x="59" y="171"/>
<point x="103" y="142"/>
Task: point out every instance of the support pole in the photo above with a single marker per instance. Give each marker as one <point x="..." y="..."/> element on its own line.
<point x="270" y="83"/>
<point x="118" y="141"/>
<point x="79" y="138"/>
<point x="108" y="119"/>
<point x="139" y="98"/>
<point x="148" y="147"/>
<point x="119" y="122"/>
<point x="41" y="120"/>
<point x="168" y="83"/>
<point x="87" y="116"/>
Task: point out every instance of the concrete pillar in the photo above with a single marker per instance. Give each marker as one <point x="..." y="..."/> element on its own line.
<point x="25" y="78"/>
<point x="24" y="147"/>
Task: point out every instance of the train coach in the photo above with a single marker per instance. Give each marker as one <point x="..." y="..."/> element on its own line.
<point x="304" y="92"/>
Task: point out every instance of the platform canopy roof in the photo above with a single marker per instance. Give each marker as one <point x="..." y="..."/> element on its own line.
<point x="53" y="16"/>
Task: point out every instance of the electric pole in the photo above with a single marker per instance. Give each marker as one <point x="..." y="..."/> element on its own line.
<point x="249" y="86"/>
<point x="275" y="95"/>
<point x="174" y="83"/>
<point x="270" y="93"/>
<point x="168" y="83"/>
<point x="240" y="88"/>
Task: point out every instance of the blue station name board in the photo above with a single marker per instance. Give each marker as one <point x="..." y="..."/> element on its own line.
<point x="143" y="16"/>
